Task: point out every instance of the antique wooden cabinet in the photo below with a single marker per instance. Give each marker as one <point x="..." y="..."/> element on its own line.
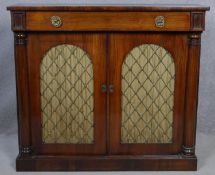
<point x="107" y="87"/>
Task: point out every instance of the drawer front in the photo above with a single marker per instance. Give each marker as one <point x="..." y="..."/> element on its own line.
<point x="108" y="21"/>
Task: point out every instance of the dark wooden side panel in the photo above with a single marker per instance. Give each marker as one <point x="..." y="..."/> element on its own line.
<point x="22" y="93"/>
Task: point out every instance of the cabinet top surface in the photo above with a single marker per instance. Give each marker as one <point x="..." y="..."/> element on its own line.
<point x="107" y="7"/>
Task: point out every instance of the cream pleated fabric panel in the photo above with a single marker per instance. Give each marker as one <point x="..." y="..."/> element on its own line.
<point x="148" y="78"/>
<point x="66" y="87"/>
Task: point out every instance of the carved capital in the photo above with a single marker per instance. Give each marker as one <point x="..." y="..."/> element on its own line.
<point x="20" y="38"/>
<point x="25" y="151"/>
<point x="188" y="151"/>
<point x="194" y="39"/>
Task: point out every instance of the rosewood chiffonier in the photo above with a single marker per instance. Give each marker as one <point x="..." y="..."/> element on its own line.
<point x="107" y="87"/>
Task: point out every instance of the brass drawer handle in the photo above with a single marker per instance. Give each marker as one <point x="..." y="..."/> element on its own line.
<point x="160" y="21"/>
<point x="56" y="21"/>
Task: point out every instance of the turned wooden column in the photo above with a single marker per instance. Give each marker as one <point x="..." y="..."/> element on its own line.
<point x="22" y="93"/>
<point x="192" y="82"/>
<point x="23" y="114"/>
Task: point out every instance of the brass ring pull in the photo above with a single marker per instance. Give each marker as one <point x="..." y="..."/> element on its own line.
<point x="159" y="21"/>
<point x="56" y="21"/>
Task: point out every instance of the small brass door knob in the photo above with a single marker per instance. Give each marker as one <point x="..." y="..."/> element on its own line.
<point x="56" y="21"/>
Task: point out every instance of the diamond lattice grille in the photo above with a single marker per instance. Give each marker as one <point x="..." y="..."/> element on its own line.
<point x="148" y="78"/>
<point x="66" y="87"/>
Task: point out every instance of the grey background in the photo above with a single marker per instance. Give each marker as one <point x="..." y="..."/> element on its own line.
<point x="8" y="123"/>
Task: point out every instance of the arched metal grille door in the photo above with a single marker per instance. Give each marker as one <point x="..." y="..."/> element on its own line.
<point x="66" y="87"/>
<point x="148" y="79"/>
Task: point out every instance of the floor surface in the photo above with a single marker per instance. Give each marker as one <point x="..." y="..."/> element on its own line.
<point x="205" y="152"/>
